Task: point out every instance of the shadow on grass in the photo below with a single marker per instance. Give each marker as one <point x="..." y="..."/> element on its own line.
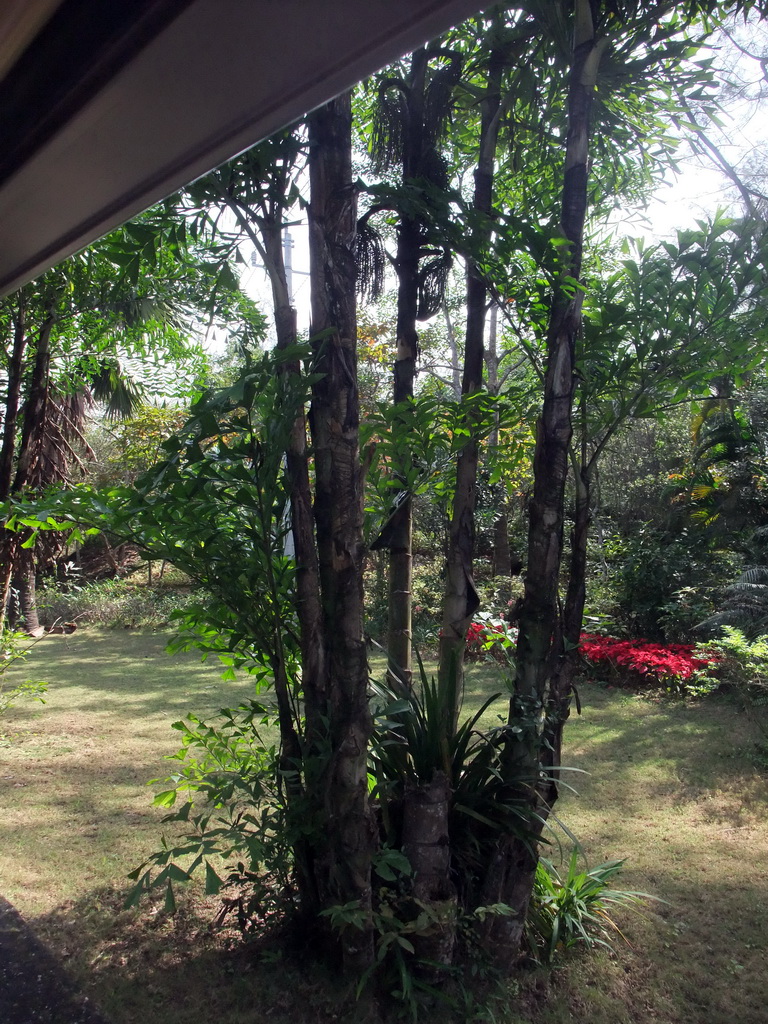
<point x="648" y="749"/>
<point x="698" y="960"/>
<point x="140" y="965"/>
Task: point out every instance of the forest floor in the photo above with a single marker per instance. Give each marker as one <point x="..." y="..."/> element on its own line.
<point x="672" y="786"/>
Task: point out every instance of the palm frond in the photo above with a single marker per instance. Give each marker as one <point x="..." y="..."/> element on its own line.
<point x="120" y="394"/>
<point x="370" y="261"/>
<point x="438" y="99"/>
<point x="390" y="121"/>
<point x="433" y="276"/>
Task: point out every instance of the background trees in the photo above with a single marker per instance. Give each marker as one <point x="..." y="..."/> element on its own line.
<point x="69" y="338"/>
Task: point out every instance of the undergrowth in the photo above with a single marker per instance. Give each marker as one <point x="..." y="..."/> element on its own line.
<point x="113" y="603"/>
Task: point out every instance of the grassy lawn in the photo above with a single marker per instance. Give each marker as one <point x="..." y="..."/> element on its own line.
<point x="671" y="787"/>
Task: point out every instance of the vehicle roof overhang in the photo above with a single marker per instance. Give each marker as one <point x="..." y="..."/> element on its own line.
<point x="106" y="108"/>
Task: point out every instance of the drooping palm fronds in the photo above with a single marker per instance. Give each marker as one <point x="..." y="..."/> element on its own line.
<point x="390" y="120"/>
<point x="370" y="261"/>
<point x="439" y="95"/>
<point x="120" y="395"/>
<point x="433" y="276"/>
<point x="744" y="602"/>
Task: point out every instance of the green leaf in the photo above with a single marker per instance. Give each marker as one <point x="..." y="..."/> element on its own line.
<point x="168" y="797"/>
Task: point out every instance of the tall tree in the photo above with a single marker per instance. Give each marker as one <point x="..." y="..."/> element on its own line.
<point x="334" y="422"/>
<point x="410" y="119"/>
<point x="645" y="36"/>
<point x="498" y="41"/>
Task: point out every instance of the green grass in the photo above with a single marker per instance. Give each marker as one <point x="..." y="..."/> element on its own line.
<point x="671" y="787"/>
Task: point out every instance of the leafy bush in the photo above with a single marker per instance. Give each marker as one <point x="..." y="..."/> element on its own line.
<point x="670" y="665"/>
<point x="234" y="767"/>
<point x="742" y="664"/>
<point x="744" y="603"/>
<point x="657" y="572"/>
<point x="491" y="637"/>
<point x="415" y="737"/>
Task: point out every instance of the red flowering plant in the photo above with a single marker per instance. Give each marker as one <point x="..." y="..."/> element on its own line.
<point x="672" y="666"/>
<point x="490" y="637"/>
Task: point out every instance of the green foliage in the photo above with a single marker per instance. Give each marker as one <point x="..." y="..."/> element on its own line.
<point x="744" y="603"/>
<point x="740" y="662"/>
<point x="130" y="447"/>
<point x="417" y="441"/>
<point x="231" y="767"/>
<point x="573" y="910"/>
<point x="15" y="647"/>
<point x="216" y="507"/>
<point x="657" y="568"/>
<point x="415" y="736"/>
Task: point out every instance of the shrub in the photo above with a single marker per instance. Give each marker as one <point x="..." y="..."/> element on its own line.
<point x="112" y="603"/>
<point x="742" y="664"/>
<point x="234" y="772"/>
<point x="573" y="910"/>
<point x="670" y="665"/>
<point x="490" y="637"/>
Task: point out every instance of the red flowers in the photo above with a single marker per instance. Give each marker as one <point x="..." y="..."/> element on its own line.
<point x="482" y="637"/>
<point x="669" y="664"/>
<point x="663" y="661"/>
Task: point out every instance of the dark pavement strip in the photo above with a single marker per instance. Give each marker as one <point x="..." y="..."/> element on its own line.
<point x="34" y="988"/>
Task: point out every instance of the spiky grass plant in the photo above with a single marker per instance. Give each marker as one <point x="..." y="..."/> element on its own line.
<point x="573" y="909"/>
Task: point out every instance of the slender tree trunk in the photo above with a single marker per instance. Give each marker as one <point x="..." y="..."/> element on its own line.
<point x="10" y="421"/>
<point x="409" y="241"/>
<point x="26" y="584"/>
<point x="111" y="556"/>
<point x="33" y="428"/>
<point x="307" y="575"/>
<point x="453" y="347"/>
<point x="32" y="433"/>
<point x="334" y="421"/>
<point x="502" y="556"/>
<point x="538" y="684"/>
<point x="8" y="543"/>
<point x="461" y="599"/>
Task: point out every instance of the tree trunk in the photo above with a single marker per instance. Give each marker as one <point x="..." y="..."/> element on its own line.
<point x="10" y="422"/>
<point x="426" y="844"/>
<point x="307" y="578"/>
<point x="8" y="544"/>
<point x="502" y="556"/>
<point x="453" y="348"/>
<point x="345" y="876"/>
<point x="409" y="241"/>
<point x="26" y="584"/>
<point x="538" y="684"/>
<point x="35" y="409"/>
<point x="461" y="599"/>
<point x="32" y="433"/>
